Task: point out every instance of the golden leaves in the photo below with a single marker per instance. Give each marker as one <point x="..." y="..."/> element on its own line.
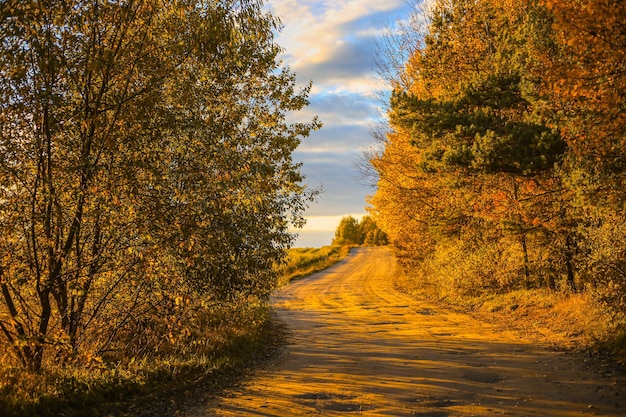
<point x="154" y="164"/>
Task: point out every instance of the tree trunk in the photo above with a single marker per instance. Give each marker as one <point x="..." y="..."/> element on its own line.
<point x="522" y="239"/>
<point x="36" y="359"/>
<point x="569" y="258"/>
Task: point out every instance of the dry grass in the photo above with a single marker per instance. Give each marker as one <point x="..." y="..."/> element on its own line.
<point x="561" y="319"/>
<point x="306" y="261"/>
<point x="224" y="341"/>
<point x="108" y="388"/>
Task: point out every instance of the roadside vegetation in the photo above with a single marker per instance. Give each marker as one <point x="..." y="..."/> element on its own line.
<point x="147" y="190"/>
<point x="366" y="232"/>
<point x="563" y="321"/>
<point x="301" y="262"/>
<point x="348" y="234"/>
<point x="501" y="168"/>
<point x="235" y="338"/>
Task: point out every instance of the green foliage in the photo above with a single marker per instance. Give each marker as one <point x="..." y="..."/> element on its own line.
<point x="352" y="232"/>
<point x="371" y="234"/>
<point x="501" y="167"/>
<point x="472" y="157"/>
<point x="348" y="232"/>
<point x="476" y="132"/>
<point x="146" y="174"/>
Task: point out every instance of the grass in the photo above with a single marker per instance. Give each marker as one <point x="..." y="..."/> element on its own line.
<point x="141" y="386"/>
<point x="565" y="320"/>
<point x="302" y="262"/>
<point x="237" y="340"/>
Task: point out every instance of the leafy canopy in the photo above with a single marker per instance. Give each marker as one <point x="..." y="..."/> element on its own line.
<point x="145" y="160"/>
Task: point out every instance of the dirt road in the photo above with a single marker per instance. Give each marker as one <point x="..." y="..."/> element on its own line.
<point x="359" y="346"/>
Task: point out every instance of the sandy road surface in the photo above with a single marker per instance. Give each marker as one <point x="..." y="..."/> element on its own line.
<point x="360" y="347"/>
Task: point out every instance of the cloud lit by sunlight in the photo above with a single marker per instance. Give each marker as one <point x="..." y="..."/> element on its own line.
<point x="320" y="230"/>
<point x="333" y="44"/>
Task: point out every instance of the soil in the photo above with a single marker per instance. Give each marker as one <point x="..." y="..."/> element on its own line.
<point x="359" y="346"/>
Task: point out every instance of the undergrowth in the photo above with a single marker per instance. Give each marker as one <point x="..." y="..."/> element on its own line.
<point x="220" y="347"/>
<point x="563" y="320"/>
<point x="114" y="388"/>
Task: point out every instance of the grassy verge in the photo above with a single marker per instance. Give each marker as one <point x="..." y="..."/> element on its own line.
<point x="306" y="261"/>
<point x="144" y="387"/>
<point x="241" y="338"/>
<point x="562" y="320"/>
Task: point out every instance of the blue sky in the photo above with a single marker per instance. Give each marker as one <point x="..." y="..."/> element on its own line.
<point x="333" y="43"/>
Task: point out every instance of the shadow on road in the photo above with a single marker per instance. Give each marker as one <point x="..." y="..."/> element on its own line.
<point x="358" y="346"/>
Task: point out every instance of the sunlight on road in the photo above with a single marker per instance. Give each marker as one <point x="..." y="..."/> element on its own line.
<point x="359" y="346"/>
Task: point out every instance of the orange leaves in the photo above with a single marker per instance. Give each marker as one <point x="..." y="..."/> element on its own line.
<point x="560" y="68"/>
<point x="585" y="76"/>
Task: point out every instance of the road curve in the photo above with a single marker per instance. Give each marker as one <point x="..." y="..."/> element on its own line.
<point x="359" y="346"/>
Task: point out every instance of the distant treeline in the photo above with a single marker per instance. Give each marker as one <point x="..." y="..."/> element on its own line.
<point x="352" y="232"/>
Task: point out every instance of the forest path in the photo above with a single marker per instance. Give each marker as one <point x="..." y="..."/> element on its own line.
<point x="358" y="346"/>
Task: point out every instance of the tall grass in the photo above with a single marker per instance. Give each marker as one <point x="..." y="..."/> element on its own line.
<point x="216" y="341"/>
<point x="566" y="319"/>
<point x="231" y="338"/>
<point x="301" y="262"/>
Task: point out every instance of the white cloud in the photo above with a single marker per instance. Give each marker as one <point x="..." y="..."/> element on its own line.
<point x="341" y="108"/>
<point x="327" y="223"/>
<point x="332" y="43"/>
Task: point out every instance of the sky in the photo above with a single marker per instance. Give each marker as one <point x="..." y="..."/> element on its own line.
<point x="333" y="43"/>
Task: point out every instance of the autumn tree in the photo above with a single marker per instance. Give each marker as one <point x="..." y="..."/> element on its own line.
<point x="470" y="154"/>
<point x="347" y="232"/>
<point x="584" y="78"/>
<point x="145" y="159"/>
<point x="350" y="231"/>
<point x="371" y="234"/>
<point x="584" y="71"/>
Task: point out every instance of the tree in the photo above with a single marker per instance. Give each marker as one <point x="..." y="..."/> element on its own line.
<point x="352" y="232"/>
<point x="584" y="72"/>
<point x="348" y="233"/>
<point x="483" y="157"/>
<point x="144" y="156"/>
<point x="584" y="78"/>
<point x="371" y="233"/>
